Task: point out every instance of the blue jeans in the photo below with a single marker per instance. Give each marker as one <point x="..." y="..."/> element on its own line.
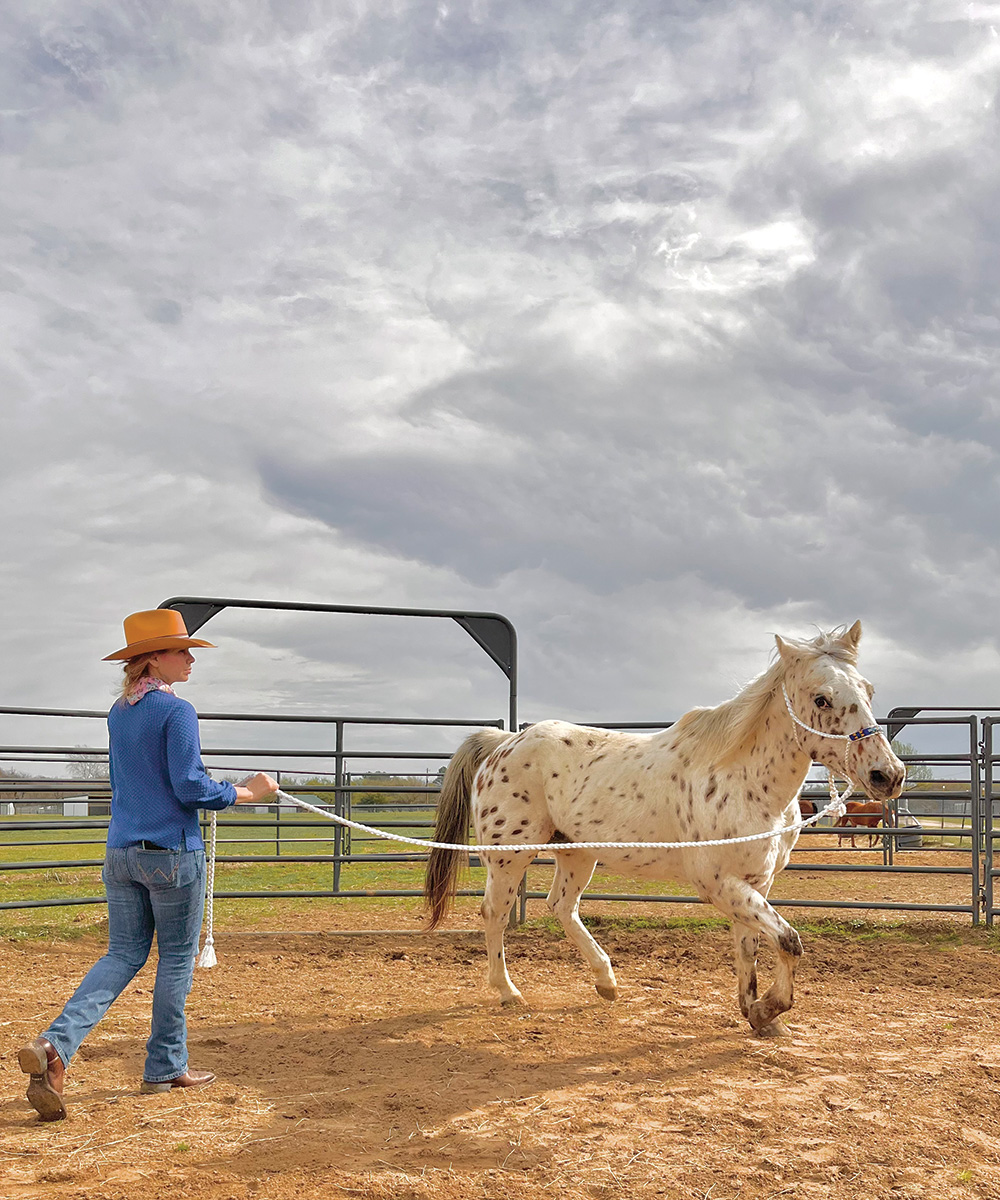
<point x="161" y="890"/>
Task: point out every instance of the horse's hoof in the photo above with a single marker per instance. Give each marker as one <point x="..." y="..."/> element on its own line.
<point x="762" y="1015"/>
<point x="774" y="1029"/>
<point x="607" y="991"/>
<point x="515" y="1001"/>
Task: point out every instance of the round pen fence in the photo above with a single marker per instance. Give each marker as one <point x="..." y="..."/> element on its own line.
<point x="932" y="854"/>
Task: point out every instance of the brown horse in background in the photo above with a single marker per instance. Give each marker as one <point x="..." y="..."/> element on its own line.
<point x="867" y="815"/>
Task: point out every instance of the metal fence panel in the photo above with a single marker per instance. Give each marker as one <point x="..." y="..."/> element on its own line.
<point x="953" y="817"/>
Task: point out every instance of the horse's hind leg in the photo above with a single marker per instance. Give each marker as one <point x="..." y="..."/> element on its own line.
<point x="573" y="872"/>
<point x="503" y="876"/>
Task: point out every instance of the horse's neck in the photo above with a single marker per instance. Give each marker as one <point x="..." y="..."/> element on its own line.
<point x="776" y="759"/>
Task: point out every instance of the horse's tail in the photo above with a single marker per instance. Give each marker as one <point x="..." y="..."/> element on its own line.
<point x="452" y="824"/>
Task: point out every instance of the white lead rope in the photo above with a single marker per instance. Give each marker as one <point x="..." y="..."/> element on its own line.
<point x="834" y="809"/>
<point x="207" y="956"/>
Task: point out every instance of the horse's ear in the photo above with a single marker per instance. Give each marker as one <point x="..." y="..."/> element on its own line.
<point x="788" y="653"/>
<point x="852" y="637"/>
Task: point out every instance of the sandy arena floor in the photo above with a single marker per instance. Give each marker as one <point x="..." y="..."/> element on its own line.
<point x="377" y="1066"/>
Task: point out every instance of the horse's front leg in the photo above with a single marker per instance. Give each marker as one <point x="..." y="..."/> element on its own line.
<point x="748" y="909"/>
<point x="503" y="876"/>
<point x="746" y="941"/>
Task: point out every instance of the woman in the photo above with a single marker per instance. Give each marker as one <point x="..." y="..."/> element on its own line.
<point x="154" y="868"/>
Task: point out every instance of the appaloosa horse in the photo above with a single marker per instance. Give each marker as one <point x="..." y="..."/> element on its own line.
<point x="718" y="773"/>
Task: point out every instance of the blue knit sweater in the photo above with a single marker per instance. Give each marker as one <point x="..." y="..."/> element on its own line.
<point x="158" y="781"/>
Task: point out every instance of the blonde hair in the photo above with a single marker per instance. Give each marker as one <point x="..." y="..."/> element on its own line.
<point x="133" y="669"/>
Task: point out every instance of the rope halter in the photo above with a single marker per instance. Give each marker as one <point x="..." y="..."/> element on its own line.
<point x="866" y="731"/>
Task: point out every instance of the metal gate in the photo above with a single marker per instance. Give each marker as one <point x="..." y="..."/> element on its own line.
<point x="951" y="817"/>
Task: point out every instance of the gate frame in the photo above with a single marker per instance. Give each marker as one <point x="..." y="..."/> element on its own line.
<point x="492" y="632"/>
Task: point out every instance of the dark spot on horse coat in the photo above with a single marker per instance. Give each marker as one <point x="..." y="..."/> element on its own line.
<point x="791" y="943"/>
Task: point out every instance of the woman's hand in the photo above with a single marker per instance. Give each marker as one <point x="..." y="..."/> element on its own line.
<point x="256" y="789"/>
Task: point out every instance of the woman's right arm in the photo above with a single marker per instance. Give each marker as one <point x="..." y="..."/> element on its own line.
<point x="191" y="783"/>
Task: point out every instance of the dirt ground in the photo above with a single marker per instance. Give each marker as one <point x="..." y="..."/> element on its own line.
<point x="378" y="1066"/>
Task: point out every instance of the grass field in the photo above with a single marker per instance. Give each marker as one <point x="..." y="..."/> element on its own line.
<point x="239" y="836"/>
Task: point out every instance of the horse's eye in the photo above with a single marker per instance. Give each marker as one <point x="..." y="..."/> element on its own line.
<point x="822" y="702"/>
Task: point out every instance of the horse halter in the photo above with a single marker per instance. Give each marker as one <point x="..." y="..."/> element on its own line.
<point x="866" y="731"/>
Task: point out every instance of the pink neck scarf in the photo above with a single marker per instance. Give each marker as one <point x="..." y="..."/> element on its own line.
<point x="148" y="683"/>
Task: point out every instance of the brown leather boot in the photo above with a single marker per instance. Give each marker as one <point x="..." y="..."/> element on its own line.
<point x="48" y="1075"/>
<point x="191" y="1079"/>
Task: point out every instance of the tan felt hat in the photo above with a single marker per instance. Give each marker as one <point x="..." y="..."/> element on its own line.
<point x="159" y="629"/>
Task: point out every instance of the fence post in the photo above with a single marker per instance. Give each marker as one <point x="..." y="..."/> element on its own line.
<point x="338" y="804"/>
<point x="277" y="814"/>
<point x="976" y="814"/>
<point x="987" y="758"/>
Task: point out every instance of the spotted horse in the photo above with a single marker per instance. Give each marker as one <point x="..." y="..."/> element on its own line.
<point x="718" y="773"/>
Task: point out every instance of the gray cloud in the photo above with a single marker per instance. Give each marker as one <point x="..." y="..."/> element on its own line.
<point x="657" y="329"/>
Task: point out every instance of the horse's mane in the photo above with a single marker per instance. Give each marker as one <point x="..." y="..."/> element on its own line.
<point x="715" y="735"/>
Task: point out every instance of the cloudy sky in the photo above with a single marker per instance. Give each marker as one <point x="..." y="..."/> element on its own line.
<point x="657" y="327"/>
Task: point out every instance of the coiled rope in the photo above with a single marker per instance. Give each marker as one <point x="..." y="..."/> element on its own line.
<point x="207" y="956"/>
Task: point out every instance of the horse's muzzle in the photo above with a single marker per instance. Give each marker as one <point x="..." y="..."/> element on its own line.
<point x="885" y="784"/>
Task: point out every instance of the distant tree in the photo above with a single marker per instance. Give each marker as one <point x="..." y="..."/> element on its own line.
<point x="374" y="778"/>
<point x="915" y="772"/>
<point x="12" y="774"/>
<point x="89" y="766"/>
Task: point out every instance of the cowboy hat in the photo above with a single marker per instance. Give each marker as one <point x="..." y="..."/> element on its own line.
<point x="160" y="629"/>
